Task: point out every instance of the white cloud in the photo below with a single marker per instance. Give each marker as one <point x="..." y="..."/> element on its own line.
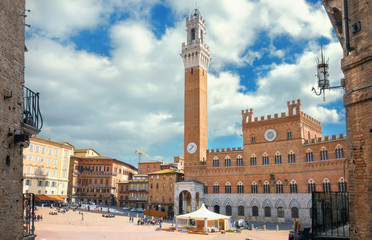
<point x="133" y="99"/>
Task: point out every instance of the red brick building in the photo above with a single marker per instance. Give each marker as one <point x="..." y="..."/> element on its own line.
<point x="284" y="157"/>
<point x="161" y="189"/>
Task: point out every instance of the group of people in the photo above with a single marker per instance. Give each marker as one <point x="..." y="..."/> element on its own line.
<point x="147" y="221"/>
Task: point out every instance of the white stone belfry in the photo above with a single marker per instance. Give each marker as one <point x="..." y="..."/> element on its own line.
<point x="195" y="52"/>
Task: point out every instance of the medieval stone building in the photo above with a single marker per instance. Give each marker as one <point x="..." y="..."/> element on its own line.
<point x="284" y="157"/>
<point x="351" y="20"/>
<point x="19" y="119"/>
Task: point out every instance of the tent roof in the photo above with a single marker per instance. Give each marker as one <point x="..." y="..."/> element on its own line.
<point x="203" y="213"/>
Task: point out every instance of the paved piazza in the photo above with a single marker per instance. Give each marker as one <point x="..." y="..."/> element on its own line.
<point x="70" y="226"/>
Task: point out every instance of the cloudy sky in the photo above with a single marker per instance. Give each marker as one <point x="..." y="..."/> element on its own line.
<point x="110" y="75"/>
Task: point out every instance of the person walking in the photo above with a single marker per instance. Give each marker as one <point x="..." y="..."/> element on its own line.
<point x="82" y="216"/>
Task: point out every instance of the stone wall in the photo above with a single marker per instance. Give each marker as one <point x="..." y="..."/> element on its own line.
<point x="357" y="68"/>
<point x="286" y="201"/>
<point x="11" y="108"/>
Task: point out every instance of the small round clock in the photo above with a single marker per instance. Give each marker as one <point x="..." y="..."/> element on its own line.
<point x="270" y="135"/>
<point x="191" y="147"/>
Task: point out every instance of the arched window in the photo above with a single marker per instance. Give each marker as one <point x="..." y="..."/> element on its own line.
<point x="291" y="157"/>
<point x="309" y="156"/>
<point x="278" y="158"/>
<point x="323" y="154"/>
<point x="253" y="139"/>
<point x="216" y="209"/>
<point x="241" y="211"/>
<point x="326" y="185"/>
<point x="255" y="211"/>
<point x="279" y="187"/>
<point x="227" y="187"/>
<point x="266" y="187"/>
<point x="254" y="187"/>
<point x="193" y="34"/>
<point x="342" y="185"/>
<point x="216" y="188"/>
<point x="216" y="162"/>
<point x="289" y="134"/>
<point x="228" y="210"/>
<point x="280" y="212"/>
<point x="227" y="162"/>
<point x="293" y="186"/>
<point x="294" y="212"/>
<point x="205" y="188"/>
<point x="311" y="186"/>
<point x="240" y="187"/>
<point x="339" y="152"/>
<point x="253" y="160"/>
<point x="265" y="159"/>
<point x="267" y="211"/>
<point x="239" y="161"/>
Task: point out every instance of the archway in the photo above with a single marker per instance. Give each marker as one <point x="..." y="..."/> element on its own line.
<point x="216" y="209"/>
<point x="184" y="202"/>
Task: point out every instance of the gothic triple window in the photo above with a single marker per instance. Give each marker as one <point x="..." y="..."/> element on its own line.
<point x="227" y="187"/>
<point x="339" y="152"/>
<point x="278" y="158"/>
<point x="279" y="187"/>
<point x="291" y="157"/>
<point x="309" y="156"/>
<point x="205" y="188"/>
<point x="323" y="154"/>
<point x="253" y="160"/>
<point x="326" y="185"/>
<point x="227" y="162"/>
<point x="311" y="186"/>
<point x="293" y="186"/>
<point x="266" y="187"/>
<point x="216" y="188"/>
<point x="342" y="185"/>
<point x="265" y="159"/>
<point x="254" y="187"/>
<point x="216" y="162"/>
<point x="240" y="187"/>
<point x="239" y="161"/>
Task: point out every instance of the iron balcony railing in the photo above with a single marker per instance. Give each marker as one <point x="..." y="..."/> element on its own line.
<point x="31" y="109"/>
<point x="330" y="215"/>
<point x="28" y="214"/>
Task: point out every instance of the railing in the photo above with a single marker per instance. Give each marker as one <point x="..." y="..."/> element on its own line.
<point x="330" y="215"/>
<point x="28" y="214"/>
<point x="31" y="110"/>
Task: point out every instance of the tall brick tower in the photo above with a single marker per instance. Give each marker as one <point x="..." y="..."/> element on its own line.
<point x="351" y="20"/>
<point x="196" y="57"/>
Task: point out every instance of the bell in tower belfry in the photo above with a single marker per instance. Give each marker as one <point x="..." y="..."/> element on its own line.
<point x="196" y="58"/>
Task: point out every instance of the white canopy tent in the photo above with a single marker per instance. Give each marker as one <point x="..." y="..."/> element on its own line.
<point x="204" y="214"/>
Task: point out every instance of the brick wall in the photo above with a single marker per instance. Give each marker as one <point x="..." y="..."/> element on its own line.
<point x="11" y="80"/>
<point x="357" y="68"/>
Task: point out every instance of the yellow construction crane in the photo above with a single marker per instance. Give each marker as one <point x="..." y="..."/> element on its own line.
<point x="143" y="154"/>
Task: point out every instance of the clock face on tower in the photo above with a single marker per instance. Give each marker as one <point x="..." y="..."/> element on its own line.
<point x="270" y="135"/>
<point x="191" y="147"/>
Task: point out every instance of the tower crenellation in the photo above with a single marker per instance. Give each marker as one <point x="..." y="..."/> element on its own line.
<point x="294" y="106"/>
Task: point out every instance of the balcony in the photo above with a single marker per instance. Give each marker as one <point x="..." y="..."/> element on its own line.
<point x="32" y="119"/>
<point x="90" y="172"/>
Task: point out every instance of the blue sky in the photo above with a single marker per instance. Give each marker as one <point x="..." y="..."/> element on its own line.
<point x="110" y="75"/>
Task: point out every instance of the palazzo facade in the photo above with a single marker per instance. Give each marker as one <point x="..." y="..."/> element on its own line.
<point x="284" y="156"/>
